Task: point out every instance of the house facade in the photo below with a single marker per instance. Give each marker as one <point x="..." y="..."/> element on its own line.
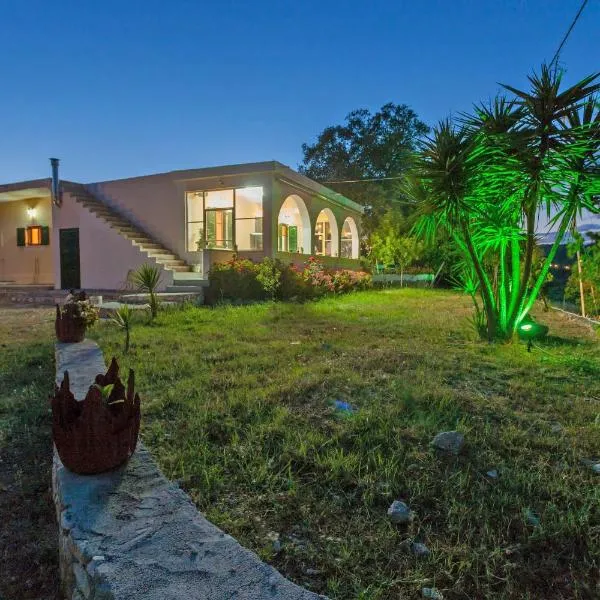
<point x="71" y="235"/>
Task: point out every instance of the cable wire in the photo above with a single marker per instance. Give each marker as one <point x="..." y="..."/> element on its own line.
<point x="564" y="40"/>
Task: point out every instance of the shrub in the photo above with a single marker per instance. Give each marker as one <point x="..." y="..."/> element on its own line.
<point x="243" y="280"/>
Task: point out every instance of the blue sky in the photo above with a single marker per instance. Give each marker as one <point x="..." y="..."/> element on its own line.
<point x="129" y="87"/>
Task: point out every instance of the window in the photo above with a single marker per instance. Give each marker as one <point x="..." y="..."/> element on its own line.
<point x="248" y="218"/>
<point x="349" y="243"/>
<point x="323" y="235"/>
<point x="195" y="221"/>
<point x="34" y="235"/>
<point x="218" y="219"/>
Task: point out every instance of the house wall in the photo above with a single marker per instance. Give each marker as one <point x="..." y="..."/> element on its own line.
<point x="22" y="264"/>
<point x="106" y="257"/>
<point x="156" y="204"/>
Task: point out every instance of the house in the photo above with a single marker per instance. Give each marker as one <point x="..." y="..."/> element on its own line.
<point x="72" y="235"/>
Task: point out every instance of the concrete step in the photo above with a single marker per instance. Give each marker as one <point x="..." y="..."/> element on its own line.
<point x="186" y="289"/>
<point x="178" y="268"/>
<point x="189" y="278"/>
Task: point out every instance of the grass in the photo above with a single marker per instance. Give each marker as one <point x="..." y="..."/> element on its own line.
<point x="28" y="534"/>
<point x="238" y="407"/>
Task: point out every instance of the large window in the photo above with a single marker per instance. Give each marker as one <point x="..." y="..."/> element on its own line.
<point x="225" y="219"/>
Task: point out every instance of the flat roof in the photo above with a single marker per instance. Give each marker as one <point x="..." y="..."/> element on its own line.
<point x="273" y="167"/>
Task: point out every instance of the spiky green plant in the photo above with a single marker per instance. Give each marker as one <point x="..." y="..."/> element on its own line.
<point x="147" y="280"/>
<point x="123" y="318"/>
<point x="488" y="177"/>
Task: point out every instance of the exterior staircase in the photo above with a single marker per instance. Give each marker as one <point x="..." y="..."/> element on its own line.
<point x="185" y="280"/>
<point x="161" y="255"/>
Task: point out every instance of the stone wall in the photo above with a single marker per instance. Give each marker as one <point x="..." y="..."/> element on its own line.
<point x="132" y="533"/>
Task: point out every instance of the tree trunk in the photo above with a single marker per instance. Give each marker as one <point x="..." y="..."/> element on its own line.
<point x="581" y="290"/>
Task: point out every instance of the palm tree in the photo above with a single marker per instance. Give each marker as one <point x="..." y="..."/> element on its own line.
<point x="123" y="318"/>
<point x="487" y="179"/>
<point x="147" y="280"/>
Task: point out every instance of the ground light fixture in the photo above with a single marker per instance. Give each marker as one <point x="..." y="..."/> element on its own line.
<point x="529" y="330"/>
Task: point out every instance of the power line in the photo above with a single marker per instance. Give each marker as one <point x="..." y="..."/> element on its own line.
<point x="564" y="40"/>
<point x="363" y="180"/>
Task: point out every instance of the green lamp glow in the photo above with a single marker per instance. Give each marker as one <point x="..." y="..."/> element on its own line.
<point x="529" y="330"/>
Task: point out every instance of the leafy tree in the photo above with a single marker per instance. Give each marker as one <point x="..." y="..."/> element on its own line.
<point x="366" y="146"/>
<point x="486" y="179"/>
<point x="392" y="245"/>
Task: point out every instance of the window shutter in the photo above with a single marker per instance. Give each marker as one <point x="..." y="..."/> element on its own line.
<point x="45" y="236"/>
<point x="20" y="236"/>
<point x="293" y="239"/>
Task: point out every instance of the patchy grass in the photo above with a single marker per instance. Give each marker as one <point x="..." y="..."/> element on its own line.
<point x="237" y="406"/>
<point x="28" y="534"/>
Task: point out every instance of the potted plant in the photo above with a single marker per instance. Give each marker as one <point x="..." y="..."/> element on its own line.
<point x="75" y="316"/>
<point x="99" y="433"/>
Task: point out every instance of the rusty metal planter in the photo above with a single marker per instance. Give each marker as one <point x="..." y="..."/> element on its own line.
<point x="96" y="434"/>
<point x="67" y="328"/>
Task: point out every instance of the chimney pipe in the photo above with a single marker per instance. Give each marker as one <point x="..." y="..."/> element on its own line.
<point x="56" y="191"/>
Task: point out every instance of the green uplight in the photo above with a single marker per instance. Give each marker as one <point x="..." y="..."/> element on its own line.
<point x="529" y="331"/>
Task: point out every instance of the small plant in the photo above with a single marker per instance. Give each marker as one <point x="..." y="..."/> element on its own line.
<point x="147" y="280"/>
<point x="79" y="308"/>
<point x="74" y="317"/>
<point x="123" y="318"/>
<point x="269" y="276"/>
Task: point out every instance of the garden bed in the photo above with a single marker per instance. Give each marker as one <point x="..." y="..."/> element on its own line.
<point x="239" y="406"/>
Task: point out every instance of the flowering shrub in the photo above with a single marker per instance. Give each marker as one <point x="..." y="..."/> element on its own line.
<point x="242" y="280"/>
<point x="78" y="307"/>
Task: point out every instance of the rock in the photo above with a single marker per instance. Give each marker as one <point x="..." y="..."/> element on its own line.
<point x="492" y="474"/>
<point x="432" y="593"/>
<point x="596" y="468"/>
<point x="556" y="428"/>
<point x="398" y="512"/>
<point x="451" y="442"/>
<point x="531" y="517"/>
<point x="419" y="549"/>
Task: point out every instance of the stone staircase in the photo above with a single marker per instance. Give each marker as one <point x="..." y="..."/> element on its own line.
<point x="161" y="255"/>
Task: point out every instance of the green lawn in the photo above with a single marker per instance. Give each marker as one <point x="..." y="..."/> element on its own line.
<point x="28" y="531"/>
<point x="237" y="406"/>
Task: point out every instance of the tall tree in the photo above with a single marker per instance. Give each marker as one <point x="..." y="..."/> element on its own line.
<point x="487" y="179"/>
<point x="366" y="146"/>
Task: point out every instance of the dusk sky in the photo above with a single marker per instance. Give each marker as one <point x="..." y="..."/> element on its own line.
<point x="131" y="87"/>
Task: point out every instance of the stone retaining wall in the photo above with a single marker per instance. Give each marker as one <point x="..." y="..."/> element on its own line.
<point x="132" y="533"/>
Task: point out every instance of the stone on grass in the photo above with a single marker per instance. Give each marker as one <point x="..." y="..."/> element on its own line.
<point x="531" y="517"/>
<point x="432" y="593"/>
<point x="492" y="474"/>
<point x="596" y="468"/>
<point x="451" y="442"/>
<point x="398" y="512"/>
<point x="420" y="549"/>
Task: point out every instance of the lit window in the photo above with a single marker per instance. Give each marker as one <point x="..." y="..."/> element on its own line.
<point x="33" y="235"/>
<point x="249" y="218"/>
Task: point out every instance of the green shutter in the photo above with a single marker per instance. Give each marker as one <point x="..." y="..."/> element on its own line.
<point x="279" y="237"/>
<point x="293" y="238"/>
<point x="45" y="236"/>
<point x="20" y="236"/>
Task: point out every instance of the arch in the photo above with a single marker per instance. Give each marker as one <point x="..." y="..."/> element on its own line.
<point x="293" y="226"/>
<point x="350" y="246"/>
<point x="327" y="235"/>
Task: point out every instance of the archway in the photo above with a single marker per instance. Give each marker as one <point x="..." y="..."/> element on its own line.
<point x="293" y="226"/>
<point x="350" y="243"/>
<point x="327" y="235"/>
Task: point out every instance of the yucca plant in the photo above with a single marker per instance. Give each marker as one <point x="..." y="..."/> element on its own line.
<point x="488" y="177"/>
<point x="147" y="279"/>
<point x="123" y="318"/>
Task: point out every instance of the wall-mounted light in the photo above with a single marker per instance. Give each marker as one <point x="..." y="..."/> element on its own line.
<point x="31" y="212"/>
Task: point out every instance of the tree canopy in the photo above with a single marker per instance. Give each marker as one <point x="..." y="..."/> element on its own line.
<point x="366" y="146"/>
